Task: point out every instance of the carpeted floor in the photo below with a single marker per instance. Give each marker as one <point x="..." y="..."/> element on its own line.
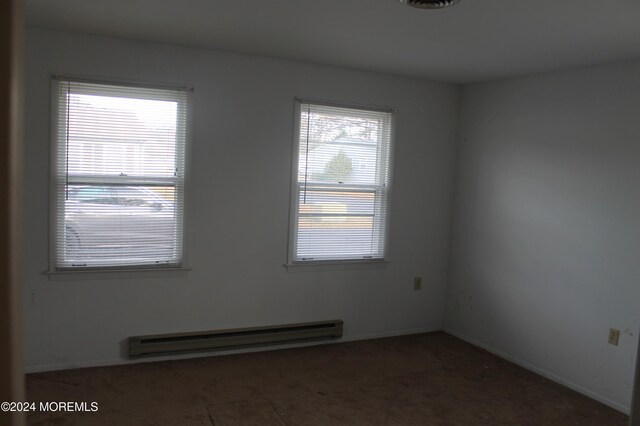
<point x="424" y="379"/>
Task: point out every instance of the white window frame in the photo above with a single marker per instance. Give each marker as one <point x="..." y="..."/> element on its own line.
<point x="292" y="262"/>
<point x="57" y="272"/>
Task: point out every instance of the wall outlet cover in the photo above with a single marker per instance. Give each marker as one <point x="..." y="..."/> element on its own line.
<point x="614" y="336"/>
<point x="417" y="283"/>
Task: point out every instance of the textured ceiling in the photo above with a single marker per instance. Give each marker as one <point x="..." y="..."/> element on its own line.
<point x="476" y="40"/>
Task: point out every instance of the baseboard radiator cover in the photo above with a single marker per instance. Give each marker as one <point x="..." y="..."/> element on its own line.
<point x="182" y="343"/>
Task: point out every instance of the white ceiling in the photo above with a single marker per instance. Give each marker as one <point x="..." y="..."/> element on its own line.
<point x="473" y="41"/>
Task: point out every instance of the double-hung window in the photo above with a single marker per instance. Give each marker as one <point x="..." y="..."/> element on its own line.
<point x="118" y="170"/>
<point x="341" y="184"/>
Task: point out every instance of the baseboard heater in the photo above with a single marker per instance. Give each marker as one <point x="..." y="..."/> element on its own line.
<point x="180" y="343"/>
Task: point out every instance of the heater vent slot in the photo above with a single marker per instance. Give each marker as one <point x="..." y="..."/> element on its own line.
<point x="430" y="4"/>
<point x="179" y="343"/>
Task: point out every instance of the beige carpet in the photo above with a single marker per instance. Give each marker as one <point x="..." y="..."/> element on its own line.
<point x="424" y="379"/>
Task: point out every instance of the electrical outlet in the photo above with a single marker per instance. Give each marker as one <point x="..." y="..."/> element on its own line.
<point x="417" y="283"/>
<point x="614" y="336"/>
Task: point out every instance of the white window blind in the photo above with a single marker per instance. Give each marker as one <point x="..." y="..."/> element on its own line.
<point x="341" y="191"/>
<point x="118" y="184"/>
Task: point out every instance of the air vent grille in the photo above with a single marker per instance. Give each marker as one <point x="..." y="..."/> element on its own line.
<point x="430" y="4"/>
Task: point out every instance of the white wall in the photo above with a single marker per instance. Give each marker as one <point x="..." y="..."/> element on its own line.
<point x="238" y="207"/>
<point x="546" y="225"/>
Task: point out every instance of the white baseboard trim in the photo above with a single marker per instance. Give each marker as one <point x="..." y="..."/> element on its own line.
<point x="542" y="372"/>
<point x="120" y="361"/>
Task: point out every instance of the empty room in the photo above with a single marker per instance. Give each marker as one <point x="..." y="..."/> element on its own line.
<point x="331" y="212"/>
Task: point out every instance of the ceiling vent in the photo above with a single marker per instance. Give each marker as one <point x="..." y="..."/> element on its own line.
<point x="430" y="4"/>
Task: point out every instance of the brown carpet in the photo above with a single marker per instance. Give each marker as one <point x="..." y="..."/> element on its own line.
<point x="424" y="379"/>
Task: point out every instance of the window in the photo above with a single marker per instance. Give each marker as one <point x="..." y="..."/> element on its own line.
<point x="118" y="176"/>
<point x="341" y="185"/>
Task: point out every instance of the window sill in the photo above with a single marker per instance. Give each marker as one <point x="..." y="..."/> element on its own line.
<point x="121" y="273"/>
<point x="335" y="265"/>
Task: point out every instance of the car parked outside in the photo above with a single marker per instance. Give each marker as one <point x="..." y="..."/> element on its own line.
<point x="115" y="222"/>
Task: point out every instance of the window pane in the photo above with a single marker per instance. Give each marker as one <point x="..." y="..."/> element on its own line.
<point x="114" y="135"/>
<point x="327" y="217"/>
<point x="111" y="225"/>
